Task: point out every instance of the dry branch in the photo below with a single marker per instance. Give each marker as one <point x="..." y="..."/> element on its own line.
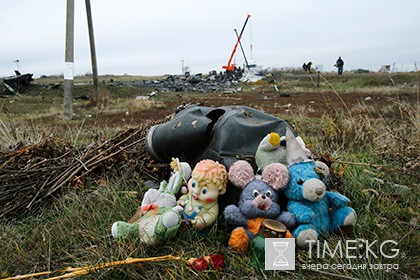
<point x="71" y="272"/>
<point x="30" y="176"/>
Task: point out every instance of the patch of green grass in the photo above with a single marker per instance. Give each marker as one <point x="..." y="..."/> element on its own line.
<point x="384" y="211"/>
<point x="382" y="80"/>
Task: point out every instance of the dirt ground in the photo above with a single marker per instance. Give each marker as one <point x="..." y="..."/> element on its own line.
<point x="309" y="104"/>
<point x="374" y="94"/>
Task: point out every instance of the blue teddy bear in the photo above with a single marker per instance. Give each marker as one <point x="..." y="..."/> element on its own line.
<point x="317" y="211"/>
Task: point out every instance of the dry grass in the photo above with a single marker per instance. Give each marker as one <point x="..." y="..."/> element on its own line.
<point x="12" y="135"/>
<point x="396" y="138"/>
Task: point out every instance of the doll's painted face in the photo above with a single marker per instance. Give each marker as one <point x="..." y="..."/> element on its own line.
<point x="203" y="191"/>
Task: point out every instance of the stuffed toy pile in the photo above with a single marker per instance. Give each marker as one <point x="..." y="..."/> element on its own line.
<point x="259" y="200"/>
<point x="312" y="210"/>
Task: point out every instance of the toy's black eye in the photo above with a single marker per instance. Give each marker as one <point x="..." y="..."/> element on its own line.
<point x="299" y="181"/>
<point x="268" y="194"/>
<point x="204" y="191"/>
<point x="255" y="193"/>
<point x="193" y="184"/>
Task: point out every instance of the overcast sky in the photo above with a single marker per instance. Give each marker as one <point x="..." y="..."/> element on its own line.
<point x="152" y="37"/>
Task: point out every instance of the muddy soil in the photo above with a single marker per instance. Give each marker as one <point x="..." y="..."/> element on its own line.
<point x="309" y="104"/>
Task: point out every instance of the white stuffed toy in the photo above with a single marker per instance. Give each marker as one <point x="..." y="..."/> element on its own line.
<point x="272" y="148"/>
<point x="160" y="217"/>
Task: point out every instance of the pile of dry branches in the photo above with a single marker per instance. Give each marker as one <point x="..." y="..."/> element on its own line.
<point x="30" y="176"/>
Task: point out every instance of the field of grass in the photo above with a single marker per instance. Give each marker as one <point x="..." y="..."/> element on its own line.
<point x="375" y="150"/>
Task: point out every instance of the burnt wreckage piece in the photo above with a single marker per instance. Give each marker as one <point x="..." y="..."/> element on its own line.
<point x="224" y="134"/>
<point x="18" y="81"/>
<point x="213" y="82"/>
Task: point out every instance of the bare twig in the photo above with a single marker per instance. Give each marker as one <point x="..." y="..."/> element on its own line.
<point x="336" y="93"/>
<point x="32" y="174"/>
<point x="73" y="272"/>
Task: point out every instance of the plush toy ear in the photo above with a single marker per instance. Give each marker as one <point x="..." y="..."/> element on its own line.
<point x="294" y="151"/>
<point x="276" y="175"/>
<point x="241" y="173"/>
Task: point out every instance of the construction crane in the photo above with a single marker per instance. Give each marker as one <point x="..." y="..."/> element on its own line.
<point x="242" y="49"/>
<point x="230" y="66"/>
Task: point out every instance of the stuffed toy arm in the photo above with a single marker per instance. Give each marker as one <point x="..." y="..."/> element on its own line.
<point x="336" y="199"/>
<point x="206" y="217"/>
<point x="303" y="214"/>
<point x="174" y="184"/>
<point x="234" y="216"/>
<point x="288" y="219"/>
<point x="182" y="199"/>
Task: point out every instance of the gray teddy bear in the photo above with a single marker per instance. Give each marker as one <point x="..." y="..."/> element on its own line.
<point x="259" y="200"/>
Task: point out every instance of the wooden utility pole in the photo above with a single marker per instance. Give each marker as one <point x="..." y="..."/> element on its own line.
<point x="69" y="65"/>
<point x="93" y="53"/>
